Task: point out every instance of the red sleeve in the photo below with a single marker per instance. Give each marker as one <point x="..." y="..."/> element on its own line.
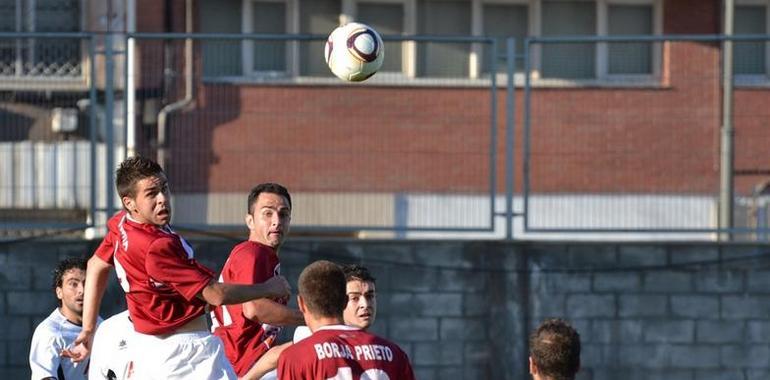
<point x="106" y="250"/>
<point x="167" y="262"/>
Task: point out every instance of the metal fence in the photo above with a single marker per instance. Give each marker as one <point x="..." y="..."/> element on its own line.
<point x="580" y="137"/>
<point x="225" y="112"/>
<point x="630" y="141"/>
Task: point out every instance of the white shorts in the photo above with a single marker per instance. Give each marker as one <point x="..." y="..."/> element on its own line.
<point x="190" y="355"/>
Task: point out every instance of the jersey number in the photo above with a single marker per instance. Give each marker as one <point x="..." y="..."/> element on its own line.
<point x="345" y="373"/>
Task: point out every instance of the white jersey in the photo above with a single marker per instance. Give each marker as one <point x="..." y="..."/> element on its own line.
<point x="110" y="358"/>
<point x="52" y="336"/>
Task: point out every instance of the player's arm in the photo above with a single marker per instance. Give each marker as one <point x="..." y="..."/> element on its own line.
<point x="271" y="312"/>
<point x="266" y="363"/>
<point x="43" y="356"/>
<point x="97" y="274"/>
<point x="219" y="293"/>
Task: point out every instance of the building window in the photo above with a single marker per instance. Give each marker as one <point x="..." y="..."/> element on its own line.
<point x="268" y="18"/>
<point x="750" y="58"/>
<point x="502" y="21"/>
<point x="629" y="57"/>
<point x="316" y="17"/>
<point x="447" y="18"/>
<point x="40" y="56"/>
<point x="568" y="18"/>
<point x="388" y="18"/>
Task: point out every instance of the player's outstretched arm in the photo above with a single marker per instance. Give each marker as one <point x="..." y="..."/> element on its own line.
<point x="268" y="311"/>
<point x="219" y="293"/>
<point x="97" y="274"/>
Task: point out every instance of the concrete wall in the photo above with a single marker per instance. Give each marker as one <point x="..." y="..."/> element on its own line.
<point x="464" y="309"/>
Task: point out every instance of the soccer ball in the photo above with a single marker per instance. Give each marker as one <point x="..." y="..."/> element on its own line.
<point x="354" y="52"/>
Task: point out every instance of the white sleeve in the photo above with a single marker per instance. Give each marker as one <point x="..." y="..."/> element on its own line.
<point x="44" y="353"/>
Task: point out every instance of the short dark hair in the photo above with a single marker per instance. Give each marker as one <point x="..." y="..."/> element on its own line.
<point x="268" y="187"/>
<point x="322" y="287"/>
<point x="69" y="263"/>
<point x="555" y="348"/>
<point x="357" y="272"/>
<point x="133" y="170"/>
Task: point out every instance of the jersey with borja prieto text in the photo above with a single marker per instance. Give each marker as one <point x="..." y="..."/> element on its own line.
<point x="344" y="353"/>
<point x="246" y="340"/>
<point x="157" y="270"/>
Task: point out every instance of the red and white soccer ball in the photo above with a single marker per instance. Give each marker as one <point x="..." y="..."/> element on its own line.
<point x="354" y="52"/>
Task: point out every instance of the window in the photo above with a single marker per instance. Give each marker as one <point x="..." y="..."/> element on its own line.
<point x="630" y="57"/>
<point x="316" y="17"/>
<point x="448" y="18"/>
<point x="388" y="19"/>
<point x="750" y="58"/>
<point x="568" y="18"/>
<point x="500" y="19"/>
<point x="40" y="56"/>
<point x="504" y="20"/>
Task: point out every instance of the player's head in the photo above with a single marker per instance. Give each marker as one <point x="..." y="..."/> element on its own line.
<point x="143" y="189"/>
<point x="68" y="280"/>
<point x="322" y="291"/>
<point x="554" y="351"/>
<point x="269" y="214"/>
<point x="361" y="308"/>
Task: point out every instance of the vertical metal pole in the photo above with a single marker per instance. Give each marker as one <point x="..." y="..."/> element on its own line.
<point x="108" y="122"/>
<point x="510" y="114"/>
<point x="493" y="137"/>
<point x="726" y="148"/>
<point x="92" y="123"/>
<point x="527" y="91"/>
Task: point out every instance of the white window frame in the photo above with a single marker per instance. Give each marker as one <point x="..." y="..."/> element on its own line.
<point x="757" y="79"/>
<point x="247" y="46"/>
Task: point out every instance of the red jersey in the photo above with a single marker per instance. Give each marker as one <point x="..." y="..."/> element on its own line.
<point x="344" y="352"/>
<point x="246" y="340"/>
<point x="156" y="269"/>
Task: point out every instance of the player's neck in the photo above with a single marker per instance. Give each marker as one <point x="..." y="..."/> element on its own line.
<point x="71" y="316"/>
<point x="254" y="239"/>
<point x="316" y="323"/>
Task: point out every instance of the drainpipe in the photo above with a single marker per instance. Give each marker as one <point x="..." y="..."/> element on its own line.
<point x="130" y="116"/>
<point x="188" y="88"/>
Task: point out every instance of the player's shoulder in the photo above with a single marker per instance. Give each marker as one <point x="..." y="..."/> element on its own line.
<point x="50" y="325"/>
<point x="249" y="251"/>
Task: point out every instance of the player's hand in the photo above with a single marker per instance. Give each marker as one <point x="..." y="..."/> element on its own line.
<point x="80" y="348"/>
<point x="277" y="286"/>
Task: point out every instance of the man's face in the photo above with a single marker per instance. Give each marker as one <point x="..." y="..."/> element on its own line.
<point x="362" y="304"/>
<point x="269" y="220"/>
<point x="71" y="293"/>
<point x="152" y="203"/>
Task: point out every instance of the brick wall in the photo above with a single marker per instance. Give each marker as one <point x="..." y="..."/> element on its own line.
<point x="464" y="309"/>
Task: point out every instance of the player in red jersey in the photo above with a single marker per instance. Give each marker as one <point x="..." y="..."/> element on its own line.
<point x="249" y="330"/>
<point x="336" y="351"/>
<point x="167" y="291"/>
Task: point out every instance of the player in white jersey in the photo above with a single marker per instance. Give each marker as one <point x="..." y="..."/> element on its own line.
<point x="62" y="326"/>
<point x="110" y="358"/>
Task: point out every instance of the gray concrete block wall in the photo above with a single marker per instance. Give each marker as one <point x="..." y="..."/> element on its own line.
<point x="465" y="309"/>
